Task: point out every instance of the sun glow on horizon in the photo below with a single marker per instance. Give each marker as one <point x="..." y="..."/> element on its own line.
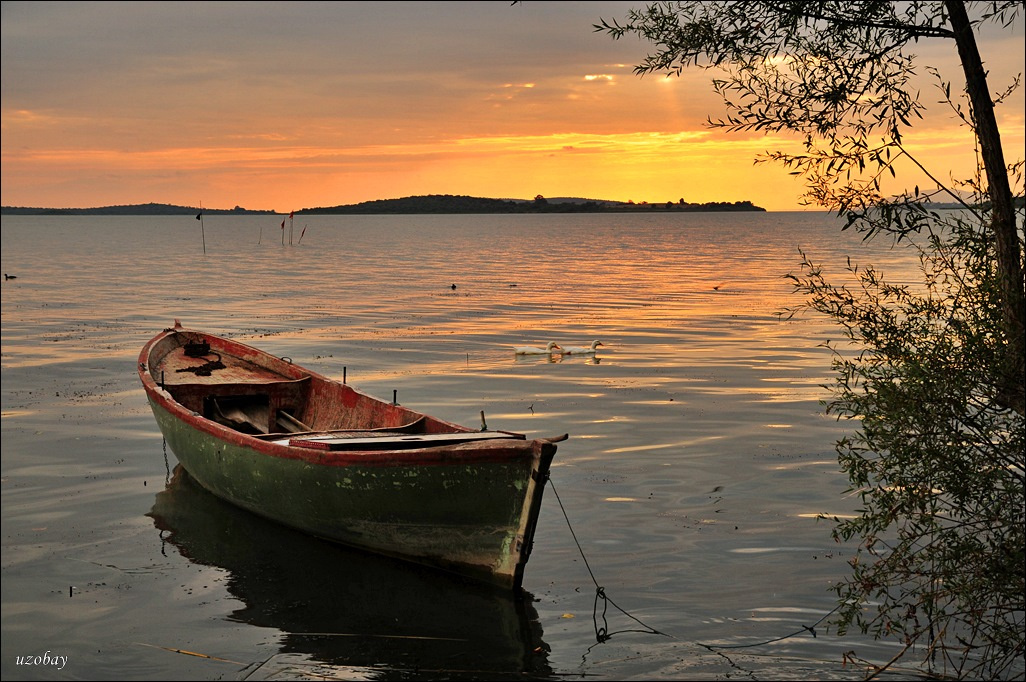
<point x="500" y="106"/>
<point x="619" y="166"/>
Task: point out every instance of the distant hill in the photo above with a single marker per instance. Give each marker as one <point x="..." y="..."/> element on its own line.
<point x="133" y="209"/>
<point x="605" y="203"/>
<point x="426" y="204"/>
<point x="448" y="204"/>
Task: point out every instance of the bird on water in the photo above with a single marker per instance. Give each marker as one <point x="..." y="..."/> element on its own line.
<point x="532" y="350"/>
<point x="6" y="276"/>
<point x="582" y="350"/>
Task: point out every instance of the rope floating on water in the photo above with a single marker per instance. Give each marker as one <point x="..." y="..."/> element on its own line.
<point x="811" y="629"/>
<point x="602" y="633"/>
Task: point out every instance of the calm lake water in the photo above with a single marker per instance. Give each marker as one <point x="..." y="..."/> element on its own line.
<point x="698" y="460"/>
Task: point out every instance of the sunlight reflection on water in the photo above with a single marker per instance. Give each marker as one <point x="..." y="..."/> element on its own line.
<point x="697" y="436"/>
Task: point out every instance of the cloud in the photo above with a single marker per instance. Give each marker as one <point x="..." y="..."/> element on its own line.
<point x="371" y="96"/>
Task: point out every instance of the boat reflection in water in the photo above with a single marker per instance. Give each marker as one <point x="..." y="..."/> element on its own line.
<point x="341" y="607"/>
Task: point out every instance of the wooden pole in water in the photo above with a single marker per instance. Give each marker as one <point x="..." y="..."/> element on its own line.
<point x="203" y="232"/>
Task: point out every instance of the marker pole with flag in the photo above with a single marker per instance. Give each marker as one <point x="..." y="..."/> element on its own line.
<point x="292" y="215"/>
<point x="283" y="232"/>
<point x="199" y="217"/>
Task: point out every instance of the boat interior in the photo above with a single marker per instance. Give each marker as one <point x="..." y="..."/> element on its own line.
<point x="273" y="398"/>
<point x="272" y="410"/>
<point x="253" y="408"/>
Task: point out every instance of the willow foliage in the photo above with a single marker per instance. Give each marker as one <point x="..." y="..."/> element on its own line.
<point x="932" y="373"/>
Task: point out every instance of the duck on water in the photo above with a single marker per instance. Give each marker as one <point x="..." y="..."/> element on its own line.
<point x="552" y="347"/>
<point x="582" y="350"/>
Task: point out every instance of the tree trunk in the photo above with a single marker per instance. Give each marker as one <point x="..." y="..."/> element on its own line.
<point x="1009" y="260"/>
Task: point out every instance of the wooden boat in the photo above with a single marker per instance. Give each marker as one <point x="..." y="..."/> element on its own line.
<point x="318" y="455"/>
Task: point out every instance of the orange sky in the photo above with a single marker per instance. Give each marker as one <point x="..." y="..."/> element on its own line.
<point x="293" y="105"/>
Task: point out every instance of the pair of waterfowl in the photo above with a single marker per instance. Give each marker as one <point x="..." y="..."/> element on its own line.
<point x="554" y="347"/>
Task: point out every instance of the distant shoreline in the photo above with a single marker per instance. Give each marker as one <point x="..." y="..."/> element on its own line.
<point x="419" y="205"/>
<point x="134" y="209"/>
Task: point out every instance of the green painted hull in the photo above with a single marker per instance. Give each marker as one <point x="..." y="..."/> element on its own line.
<point x="470" y="508"/>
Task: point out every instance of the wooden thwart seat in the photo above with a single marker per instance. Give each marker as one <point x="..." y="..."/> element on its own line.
<point x="394" y="441"/>
<point x="416" y="426"/>
<point x="289" y="423"/>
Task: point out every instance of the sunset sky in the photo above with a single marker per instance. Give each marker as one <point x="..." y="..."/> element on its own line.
<point x="285" y="106"/>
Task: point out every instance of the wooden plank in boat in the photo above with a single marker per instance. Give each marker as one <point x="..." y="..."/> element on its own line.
<point x="397" y="442"/>
<point x="177" y="367"/>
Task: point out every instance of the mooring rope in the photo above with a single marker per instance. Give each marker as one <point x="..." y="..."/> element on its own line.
<point x="811" y="629"/>
<point x="602" y="634"/>
<point x="167" y="466"/>
<point x="206" y="368"/>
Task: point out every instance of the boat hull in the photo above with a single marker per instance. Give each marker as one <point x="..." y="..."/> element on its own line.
<point x="469" y="508"/>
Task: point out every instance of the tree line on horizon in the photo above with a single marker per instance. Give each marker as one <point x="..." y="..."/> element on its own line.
<point x="425" y="204"/>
